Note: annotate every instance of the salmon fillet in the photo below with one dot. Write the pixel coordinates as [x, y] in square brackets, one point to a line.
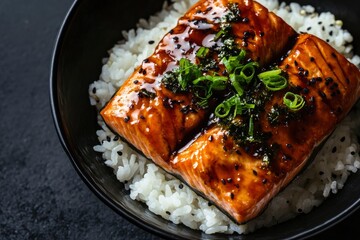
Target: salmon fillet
[156, 120]
[166, 123]
[235, 177]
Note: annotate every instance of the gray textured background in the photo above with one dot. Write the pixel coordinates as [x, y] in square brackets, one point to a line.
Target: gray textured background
[41, 195]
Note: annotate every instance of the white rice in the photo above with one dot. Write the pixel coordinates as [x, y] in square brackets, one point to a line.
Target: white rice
[168, 197]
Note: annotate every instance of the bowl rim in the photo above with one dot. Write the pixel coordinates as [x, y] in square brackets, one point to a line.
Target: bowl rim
[88, 180]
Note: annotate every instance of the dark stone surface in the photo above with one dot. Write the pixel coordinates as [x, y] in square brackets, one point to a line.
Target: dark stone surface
[41, 195]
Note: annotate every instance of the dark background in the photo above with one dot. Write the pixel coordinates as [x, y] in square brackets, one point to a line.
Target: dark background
[41, 194]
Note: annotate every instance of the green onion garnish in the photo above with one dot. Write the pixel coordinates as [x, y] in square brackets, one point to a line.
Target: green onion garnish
[233, 103]
[202, 52]
[204, 86]
[219, 34]
[187, 72]
[251, 129]
[216, 82]
[273, 80]
[223, 109]
[293, 101]
[233, 62]
[248, 71]
[235, 82]
[202, 92]
[242, 75]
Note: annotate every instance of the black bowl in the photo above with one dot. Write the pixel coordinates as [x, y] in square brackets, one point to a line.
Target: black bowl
[90, 29]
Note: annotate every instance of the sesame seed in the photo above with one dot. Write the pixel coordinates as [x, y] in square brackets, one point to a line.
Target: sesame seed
[333, 150]
[285, 157]
[339, 23]
[306, 90]
[232, 195]
[236, 166]
[322, 94]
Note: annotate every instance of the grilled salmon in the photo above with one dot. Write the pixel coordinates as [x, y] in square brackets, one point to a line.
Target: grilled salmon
[241, 162]
[236, 177]
[156, 120]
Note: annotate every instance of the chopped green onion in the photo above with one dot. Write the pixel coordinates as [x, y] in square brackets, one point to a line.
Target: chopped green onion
[233, 62]
[223, 109]
[203, 97]
[248, 71]
[237, 104]
[219, 83]
[204, 85]
[293, 101]
[251, 129]
[273, 80]
[242, 75]
[269, 73]
[220, 34]
[202, 52]
[236, 84]
[187, 72]
[216, 82]
[203, 93]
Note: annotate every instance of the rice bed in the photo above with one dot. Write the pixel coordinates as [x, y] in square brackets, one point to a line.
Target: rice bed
[167, 196]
